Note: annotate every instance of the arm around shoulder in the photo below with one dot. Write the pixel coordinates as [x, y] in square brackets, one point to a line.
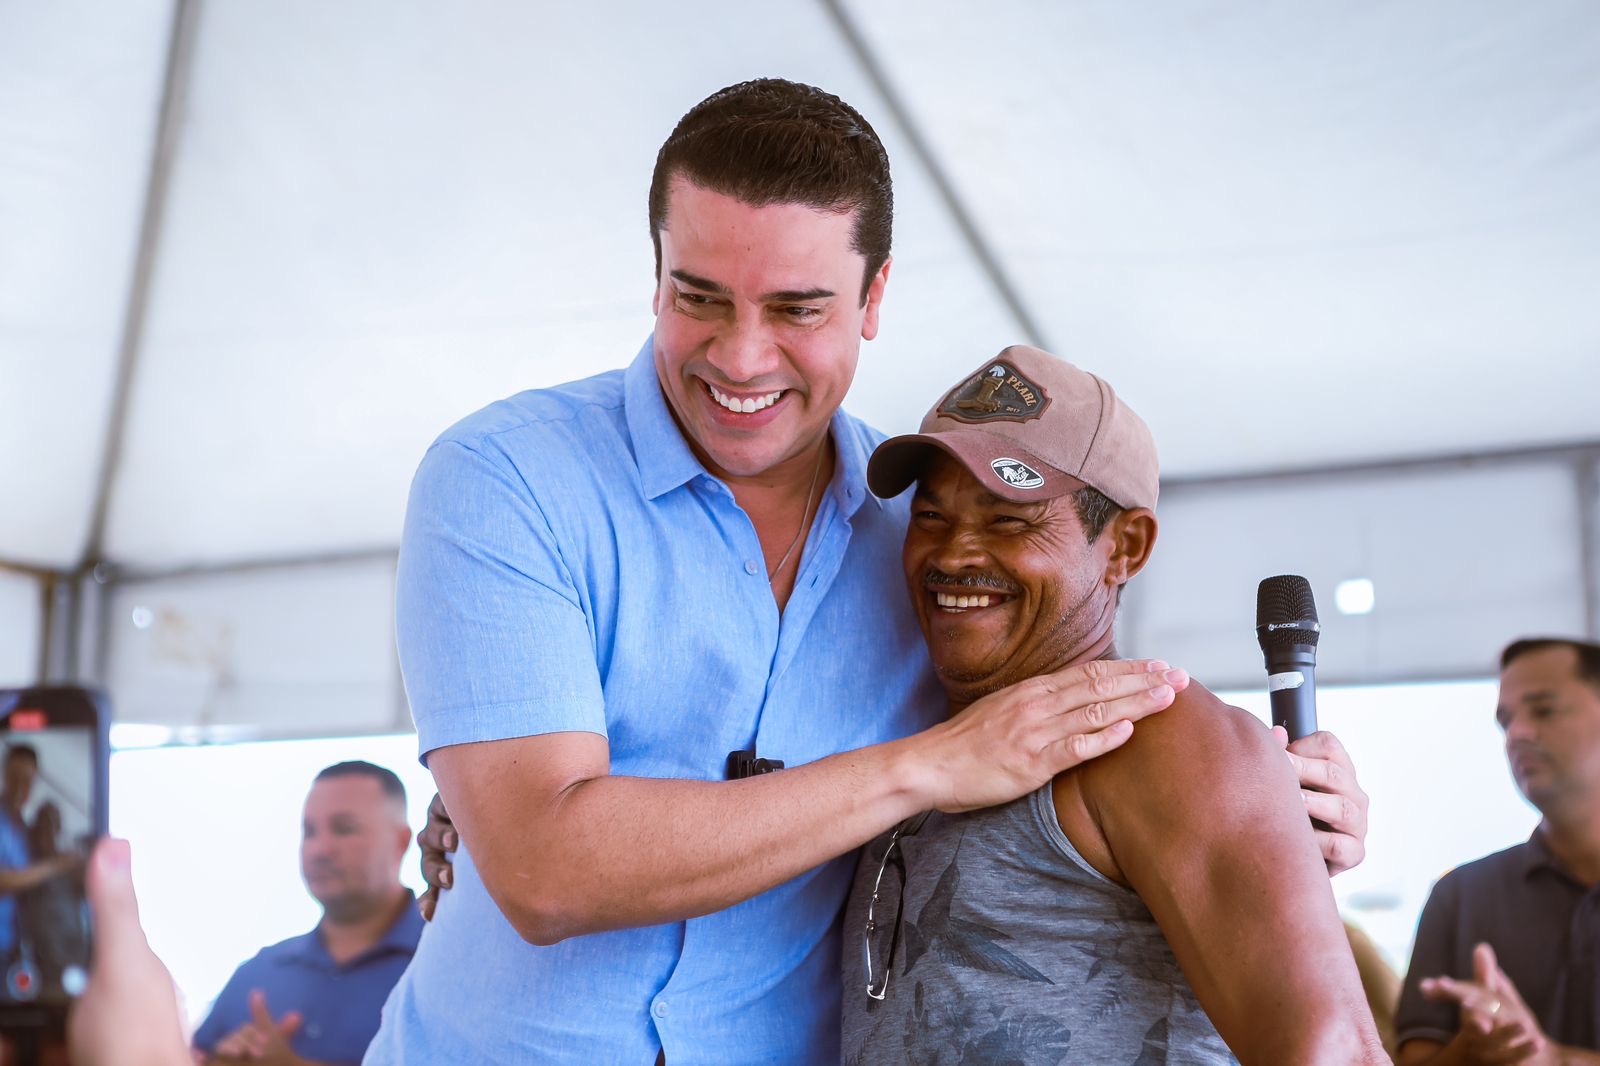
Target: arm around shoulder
[1203, 817]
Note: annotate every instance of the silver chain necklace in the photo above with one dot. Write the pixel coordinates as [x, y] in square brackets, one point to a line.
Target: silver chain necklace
[804, 516]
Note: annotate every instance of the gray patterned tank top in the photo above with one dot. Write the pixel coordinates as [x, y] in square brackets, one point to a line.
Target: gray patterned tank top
[1013, 949]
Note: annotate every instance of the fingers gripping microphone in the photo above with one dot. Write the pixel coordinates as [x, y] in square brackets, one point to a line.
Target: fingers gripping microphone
[1287, 629]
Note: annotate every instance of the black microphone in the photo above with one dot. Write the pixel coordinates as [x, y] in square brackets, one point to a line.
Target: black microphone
[1287, 629]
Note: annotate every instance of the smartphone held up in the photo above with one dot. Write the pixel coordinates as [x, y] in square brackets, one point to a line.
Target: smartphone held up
[54, 759]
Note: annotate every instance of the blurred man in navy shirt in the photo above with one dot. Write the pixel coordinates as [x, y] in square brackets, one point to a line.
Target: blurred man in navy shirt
[316, 998]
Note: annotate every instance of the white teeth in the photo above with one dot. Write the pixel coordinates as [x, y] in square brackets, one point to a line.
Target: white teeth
[944, 599]
[748, 405]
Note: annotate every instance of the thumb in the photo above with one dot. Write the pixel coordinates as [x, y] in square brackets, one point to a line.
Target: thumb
[290, 1024]
[112, 902]
[1280, 736]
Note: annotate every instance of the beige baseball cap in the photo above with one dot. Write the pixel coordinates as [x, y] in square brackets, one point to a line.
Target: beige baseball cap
[1030, 427]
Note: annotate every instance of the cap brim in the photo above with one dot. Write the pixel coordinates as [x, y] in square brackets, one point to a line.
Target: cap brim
[899, 461]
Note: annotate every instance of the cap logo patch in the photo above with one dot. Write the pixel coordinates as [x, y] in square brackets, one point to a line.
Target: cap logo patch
[1016, 473]
[997, 393]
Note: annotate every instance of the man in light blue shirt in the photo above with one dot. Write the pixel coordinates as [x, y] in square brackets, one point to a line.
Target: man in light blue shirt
[607, 587]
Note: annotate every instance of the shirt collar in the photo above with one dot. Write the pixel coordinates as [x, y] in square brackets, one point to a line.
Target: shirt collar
[850, 479]
[662, 455]
[308, 949]
[1537, 856]
[401, 937]
[406, 930]
[665, 461]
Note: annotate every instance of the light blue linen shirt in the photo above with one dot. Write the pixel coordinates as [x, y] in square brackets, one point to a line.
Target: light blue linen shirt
[568, 564]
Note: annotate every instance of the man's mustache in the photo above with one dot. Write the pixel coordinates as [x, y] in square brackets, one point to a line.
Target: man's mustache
[931, 577]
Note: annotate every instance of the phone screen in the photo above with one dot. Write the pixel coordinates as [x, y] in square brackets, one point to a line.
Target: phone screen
[51, 810]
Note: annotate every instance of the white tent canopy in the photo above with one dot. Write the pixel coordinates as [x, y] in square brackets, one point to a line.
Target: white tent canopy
[254, 257]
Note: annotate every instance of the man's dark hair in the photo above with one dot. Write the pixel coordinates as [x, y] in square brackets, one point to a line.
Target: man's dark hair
[1588, 655]
[771, 141]
[22, 751]
[385, 778]
[1095, 511]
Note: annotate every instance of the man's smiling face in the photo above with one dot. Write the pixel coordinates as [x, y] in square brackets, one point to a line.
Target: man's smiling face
[1003, 591]
[759, 322]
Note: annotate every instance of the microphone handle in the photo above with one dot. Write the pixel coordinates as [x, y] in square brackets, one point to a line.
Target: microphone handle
[1294, 699]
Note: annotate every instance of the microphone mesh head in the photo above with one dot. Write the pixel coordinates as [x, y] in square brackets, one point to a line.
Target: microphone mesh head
[1282, 599]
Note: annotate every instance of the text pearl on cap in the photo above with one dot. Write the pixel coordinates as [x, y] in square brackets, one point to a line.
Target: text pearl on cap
[750, 567]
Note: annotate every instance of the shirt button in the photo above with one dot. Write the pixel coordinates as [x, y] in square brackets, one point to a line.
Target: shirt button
[660, 1009]
[750, 567]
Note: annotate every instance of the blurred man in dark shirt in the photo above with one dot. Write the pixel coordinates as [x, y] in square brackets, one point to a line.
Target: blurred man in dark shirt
[1508, 948]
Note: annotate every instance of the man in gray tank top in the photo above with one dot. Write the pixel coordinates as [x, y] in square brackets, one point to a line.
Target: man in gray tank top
[1163, 903]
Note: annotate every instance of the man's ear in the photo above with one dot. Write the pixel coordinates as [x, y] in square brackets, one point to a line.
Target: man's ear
[869, 321]
[1132, 536]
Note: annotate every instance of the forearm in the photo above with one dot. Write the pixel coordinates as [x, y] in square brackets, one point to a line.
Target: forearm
[613, 852]
[1457, 1053]
[20, 880]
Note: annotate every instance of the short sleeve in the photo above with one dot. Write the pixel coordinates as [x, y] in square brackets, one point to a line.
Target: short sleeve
[493, 640]
[1433, 955]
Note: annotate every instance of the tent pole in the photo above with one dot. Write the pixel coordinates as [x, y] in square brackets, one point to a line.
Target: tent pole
[309, 560]
[47, 615]
[180, 59]
[1587, 470]
[988, 261]
[1572, 451]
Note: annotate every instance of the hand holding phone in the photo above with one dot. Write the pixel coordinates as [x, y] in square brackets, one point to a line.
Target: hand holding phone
[128, 1015]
